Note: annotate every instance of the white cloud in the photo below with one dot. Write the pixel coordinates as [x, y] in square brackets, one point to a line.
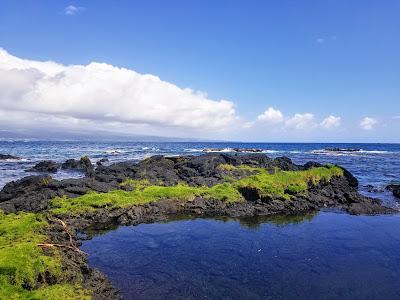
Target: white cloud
[368, 123]
[72, 10]
[271, 115]
[301, 121]
[331, 122]
[102, 93]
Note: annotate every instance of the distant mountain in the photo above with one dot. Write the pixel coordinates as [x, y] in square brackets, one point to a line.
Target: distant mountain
[90, 136]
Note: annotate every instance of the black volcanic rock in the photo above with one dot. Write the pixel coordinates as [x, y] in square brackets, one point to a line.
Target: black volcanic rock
[341, 150]
[101, 161]
[395, 188]
[33, 193]
[8, 156]
[84, 165]
[46, 166]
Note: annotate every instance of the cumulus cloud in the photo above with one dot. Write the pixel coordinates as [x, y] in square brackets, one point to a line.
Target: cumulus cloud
[101, 93]
[72, 10]
[368, 123]
[331, 122]
[271, 115]
[301, 121]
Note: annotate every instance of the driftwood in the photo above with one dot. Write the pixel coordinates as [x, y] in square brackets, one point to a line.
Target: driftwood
[72, 244]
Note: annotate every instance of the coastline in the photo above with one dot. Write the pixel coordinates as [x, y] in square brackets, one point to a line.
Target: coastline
[36, 195]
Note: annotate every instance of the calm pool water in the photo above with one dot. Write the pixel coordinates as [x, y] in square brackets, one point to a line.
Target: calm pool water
[328, 255]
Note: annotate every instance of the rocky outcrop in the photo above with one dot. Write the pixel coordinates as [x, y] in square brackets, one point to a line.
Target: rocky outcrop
[33, 193]
[395, 188]
[8, 156]
[84, 165]
[46, 166]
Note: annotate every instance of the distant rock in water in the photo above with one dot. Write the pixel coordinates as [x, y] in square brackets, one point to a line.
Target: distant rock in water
[236, 150]
[8, 156]
[49, 166]
[395, 188]
[373, 189]
[84, 164]
[341, 150]
[101, 161]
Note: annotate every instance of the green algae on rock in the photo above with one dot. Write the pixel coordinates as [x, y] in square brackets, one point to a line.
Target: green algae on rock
[280, 184]
[24, 266]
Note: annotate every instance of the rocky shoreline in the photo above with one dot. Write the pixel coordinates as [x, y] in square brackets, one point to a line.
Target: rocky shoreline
[35, 194]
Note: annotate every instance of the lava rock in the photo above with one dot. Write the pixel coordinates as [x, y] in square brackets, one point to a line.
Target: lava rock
[395, 188]
[84, 165]
[46, 166]
[8, 156]
[101, 161]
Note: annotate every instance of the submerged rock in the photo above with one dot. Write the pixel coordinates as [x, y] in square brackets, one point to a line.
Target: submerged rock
[49, 166]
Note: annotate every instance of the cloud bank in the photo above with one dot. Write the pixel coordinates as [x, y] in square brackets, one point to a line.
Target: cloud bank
[102, 93]
[299, 121]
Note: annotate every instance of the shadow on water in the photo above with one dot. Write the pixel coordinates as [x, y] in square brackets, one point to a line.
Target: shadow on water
[325, 255]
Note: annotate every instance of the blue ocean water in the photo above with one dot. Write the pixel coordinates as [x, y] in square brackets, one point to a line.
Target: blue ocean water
[374, 164]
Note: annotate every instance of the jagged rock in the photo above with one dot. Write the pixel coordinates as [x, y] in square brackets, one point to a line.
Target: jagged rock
[101, 161]
[84, 165]
[48, 166]
[395, 188]
[33, 193]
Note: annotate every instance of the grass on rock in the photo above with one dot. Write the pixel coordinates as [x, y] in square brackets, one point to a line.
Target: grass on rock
[282, 184]
[22, 261]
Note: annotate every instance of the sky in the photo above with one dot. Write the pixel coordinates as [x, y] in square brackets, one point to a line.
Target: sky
[266, 71]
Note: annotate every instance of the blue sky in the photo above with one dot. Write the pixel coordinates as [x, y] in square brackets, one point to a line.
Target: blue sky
[321, 58]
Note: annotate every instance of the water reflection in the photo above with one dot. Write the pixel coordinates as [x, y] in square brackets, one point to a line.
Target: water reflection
[318, 256]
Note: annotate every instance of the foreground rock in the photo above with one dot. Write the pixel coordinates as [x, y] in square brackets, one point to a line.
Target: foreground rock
[33, 193]
[8, 156]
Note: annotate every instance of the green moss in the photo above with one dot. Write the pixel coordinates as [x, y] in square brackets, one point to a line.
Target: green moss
[286, 183]
[281, 184]
[56, 291]
[22, 260]
[223, 192]
[135, 184]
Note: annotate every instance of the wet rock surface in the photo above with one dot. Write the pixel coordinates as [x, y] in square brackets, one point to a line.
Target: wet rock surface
[395, 188]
